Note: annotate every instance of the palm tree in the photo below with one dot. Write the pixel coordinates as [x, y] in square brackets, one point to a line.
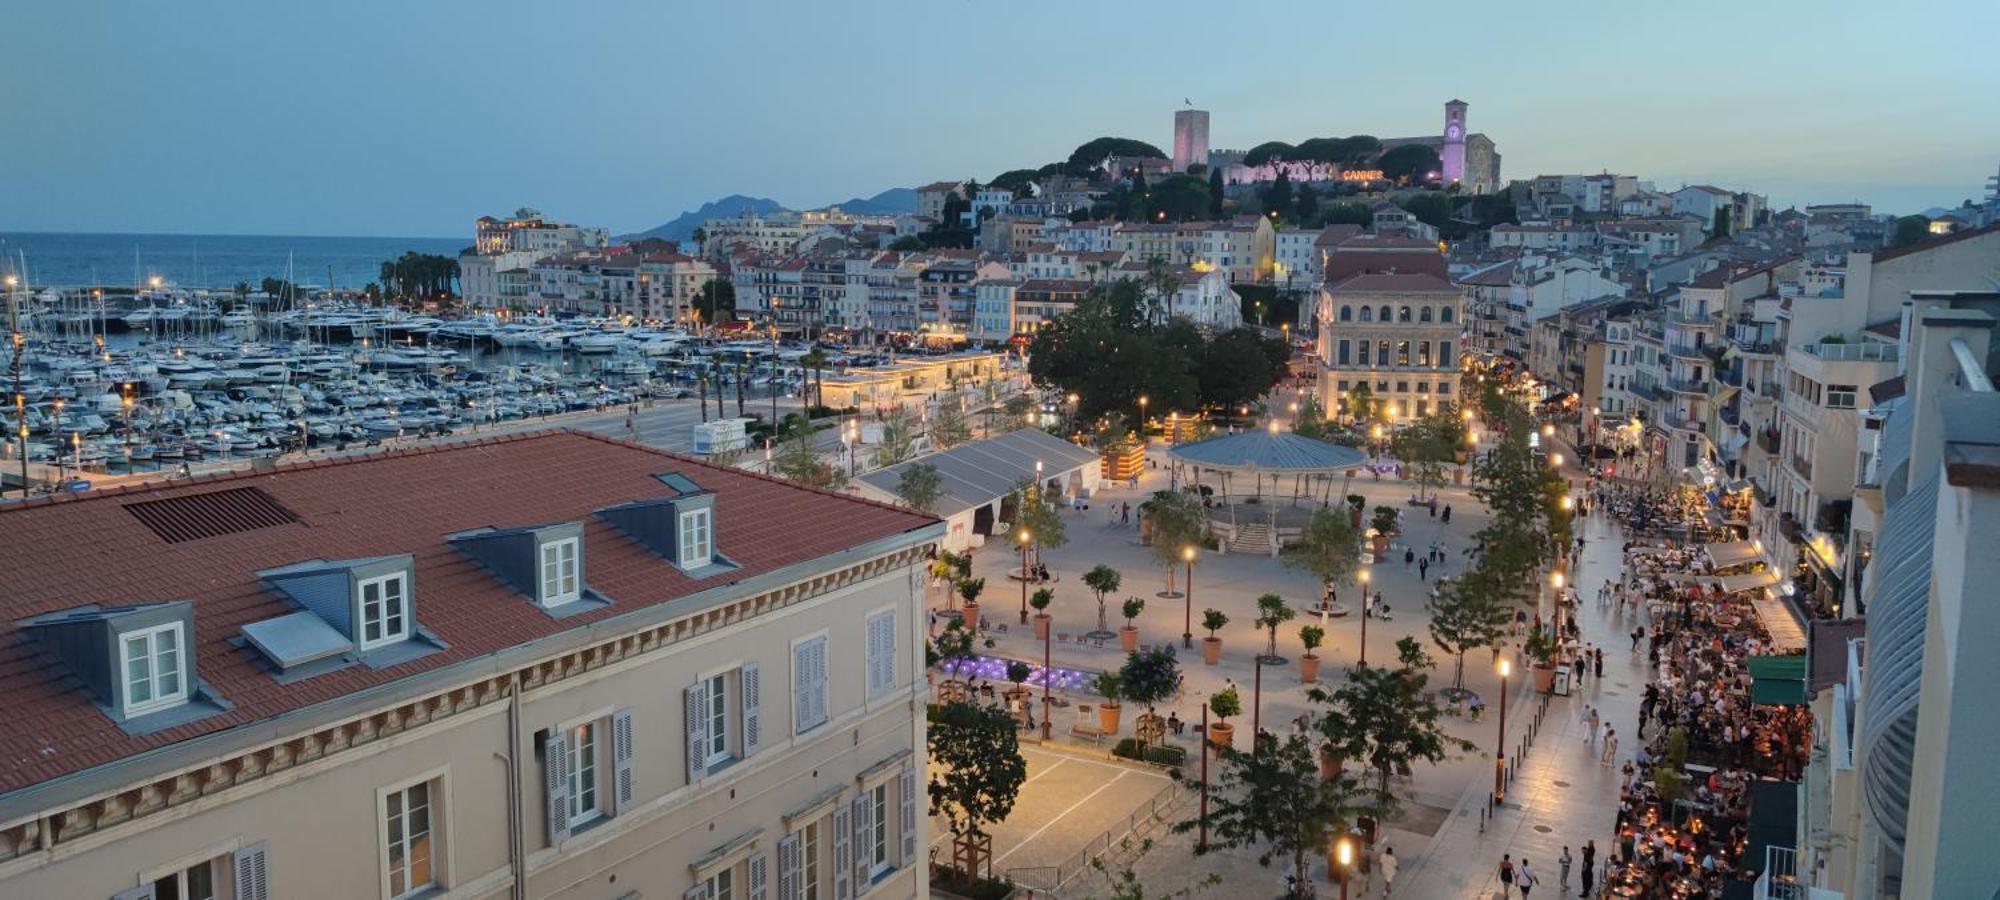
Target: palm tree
[815, 364]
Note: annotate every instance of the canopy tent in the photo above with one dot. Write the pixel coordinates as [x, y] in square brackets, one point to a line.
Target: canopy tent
[1731, 584]
[1778, 680]
[1734, 553]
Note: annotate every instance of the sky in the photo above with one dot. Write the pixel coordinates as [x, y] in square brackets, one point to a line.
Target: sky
[412, 118]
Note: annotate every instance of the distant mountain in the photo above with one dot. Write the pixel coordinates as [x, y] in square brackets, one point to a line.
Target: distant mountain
[892, 202]
[682, 228]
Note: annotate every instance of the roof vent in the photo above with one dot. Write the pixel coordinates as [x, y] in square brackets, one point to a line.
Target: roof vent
[192, 517]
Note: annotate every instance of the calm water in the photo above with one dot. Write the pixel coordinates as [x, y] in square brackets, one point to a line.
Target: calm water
[205, 260]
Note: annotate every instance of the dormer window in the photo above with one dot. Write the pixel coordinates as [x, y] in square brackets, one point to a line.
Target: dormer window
[152, 661]
[384, 610]
[560, 583]
[697, 544]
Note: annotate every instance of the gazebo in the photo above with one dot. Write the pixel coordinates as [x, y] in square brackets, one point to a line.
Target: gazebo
[1249, 523]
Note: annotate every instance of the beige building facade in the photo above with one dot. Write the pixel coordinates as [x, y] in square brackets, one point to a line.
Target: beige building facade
[761, 736]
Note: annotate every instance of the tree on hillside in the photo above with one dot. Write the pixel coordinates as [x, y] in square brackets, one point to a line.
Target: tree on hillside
[918, 487]
[1719, 227]
[1215, 194]
[976, 770]
[1432, 208]
[1909, 230]
[1020, 181]
[716, 301]
[1091, 155]
[1306, 208]
[1269, 151]
[1347, 212]
[1278, 196]
[1272, 799]
[908, 243]
[1408, 163]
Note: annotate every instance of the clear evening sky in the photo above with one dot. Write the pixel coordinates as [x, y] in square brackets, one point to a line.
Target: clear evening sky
[412, 117]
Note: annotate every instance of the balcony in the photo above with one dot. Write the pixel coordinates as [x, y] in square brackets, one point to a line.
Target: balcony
[1702, 321]
[1675, 419]
[1768, 440]
[1802, 466]
[1684, 386]
[1685, 351]
[1730, 416]
[1868, 352]
[1733, 377]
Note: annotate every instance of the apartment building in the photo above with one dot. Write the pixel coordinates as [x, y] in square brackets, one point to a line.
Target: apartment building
[1398, 334]
[526, 231]
[1009, 307]
[453, 671]
[1899, 797]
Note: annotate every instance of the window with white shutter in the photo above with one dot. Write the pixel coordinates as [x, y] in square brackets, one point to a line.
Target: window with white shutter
[843, 852]
[555, 771]
[695, 705]
[908, 789]
[788, 867]
[253, 876]
[621, 759]
[749, 686]
[759, 874]
[862, 812]
[809, 705]
[881, 643]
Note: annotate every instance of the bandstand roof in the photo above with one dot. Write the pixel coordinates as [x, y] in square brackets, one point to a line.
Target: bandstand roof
[1282, 452]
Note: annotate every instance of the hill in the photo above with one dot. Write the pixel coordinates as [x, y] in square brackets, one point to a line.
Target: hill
[683, 226]
[892, 202]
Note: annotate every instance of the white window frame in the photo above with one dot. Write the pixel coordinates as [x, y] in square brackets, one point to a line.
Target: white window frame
[716, 685]
[823, 703]
[697, 529]
[224, 854]
[722, 883]
[439, 782]
[580, 758]
[402, 580]
[158, 700]
[810, 837]
[880, 860]
[553, 578]
[880, 678]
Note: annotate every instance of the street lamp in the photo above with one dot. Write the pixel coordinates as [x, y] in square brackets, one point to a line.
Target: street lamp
[1343, 855]
[1556, 459]
[1500, 746]
[1364, 620]
[1048, 676]
[1024, 538]
[1142, 417]
[1187, 623]
[1376, 433]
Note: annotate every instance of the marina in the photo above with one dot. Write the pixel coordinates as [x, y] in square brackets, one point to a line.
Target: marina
[164, 378]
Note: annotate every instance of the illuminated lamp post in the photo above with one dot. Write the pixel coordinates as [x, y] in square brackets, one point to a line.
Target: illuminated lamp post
[1500, 745]
[1024, 538]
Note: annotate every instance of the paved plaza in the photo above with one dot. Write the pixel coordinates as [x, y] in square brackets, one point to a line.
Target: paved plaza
[1070, 801]
[1445, 846]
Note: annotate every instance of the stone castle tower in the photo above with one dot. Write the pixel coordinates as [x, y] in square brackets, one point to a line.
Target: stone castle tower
[1452, 153]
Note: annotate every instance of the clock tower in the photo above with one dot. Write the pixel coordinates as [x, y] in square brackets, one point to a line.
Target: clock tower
[1452, 152]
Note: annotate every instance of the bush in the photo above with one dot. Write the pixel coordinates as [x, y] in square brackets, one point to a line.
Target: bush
[1162, 754]
[956, 882]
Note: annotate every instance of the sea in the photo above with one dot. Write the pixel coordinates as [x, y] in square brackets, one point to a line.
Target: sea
[219, 261]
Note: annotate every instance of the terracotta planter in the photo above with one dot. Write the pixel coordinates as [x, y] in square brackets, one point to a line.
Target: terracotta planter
[1211, 650]
[1458, 476]
[1222, 734]
[1308, 668]
[1041, 626]
[971, 616]
[1107, 718]
[1545, 678]
[1381, 544]
[1353, 518]
[1128, 639]
[1329, 765]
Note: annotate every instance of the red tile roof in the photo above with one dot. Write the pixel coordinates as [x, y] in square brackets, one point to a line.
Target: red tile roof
[1396, 282]
[71, 551]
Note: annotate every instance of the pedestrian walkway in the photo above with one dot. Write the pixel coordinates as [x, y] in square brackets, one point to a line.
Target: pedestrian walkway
[1561, 795]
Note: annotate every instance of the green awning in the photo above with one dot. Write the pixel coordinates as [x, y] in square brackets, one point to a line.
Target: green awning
[1777, 680]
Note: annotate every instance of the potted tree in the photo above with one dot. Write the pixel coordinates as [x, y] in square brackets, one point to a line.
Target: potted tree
[1542, 651]
[1384, 525]
[1128, 636]
[968, 590]
[1310, 636]
[1102, 580]
[1224, 703]
[1109, 686]
[1018, 672]
[1211, 646]
[1040, 601]
[1271, 613]
[1148, 677]
[1355, 504]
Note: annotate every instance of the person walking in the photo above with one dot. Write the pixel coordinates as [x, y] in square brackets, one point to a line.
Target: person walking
[1506, 875]
[1610, 746]
[1409, 556]
[1564, 883]
[1596, 722]
[1597, 660]
[1525, 879]
[1424, 569]
[1388, 864]
[1589, 867]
